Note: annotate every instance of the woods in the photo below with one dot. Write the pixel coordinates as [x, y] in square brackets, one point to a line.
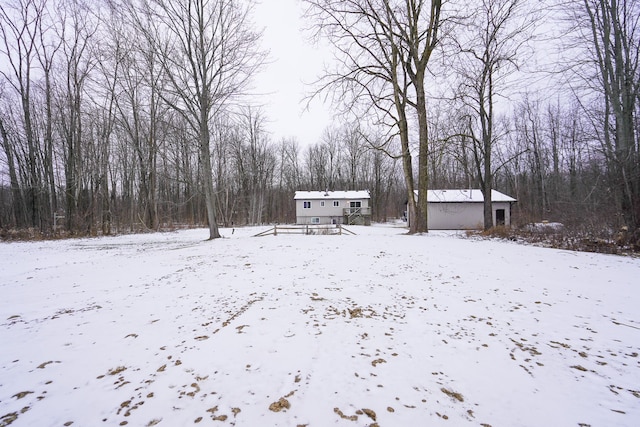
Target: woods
[131, 115]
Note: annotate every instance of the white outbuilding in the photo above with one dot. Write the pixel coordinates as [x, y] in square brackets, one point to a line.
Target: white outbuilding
[333, 207]
[464, 209]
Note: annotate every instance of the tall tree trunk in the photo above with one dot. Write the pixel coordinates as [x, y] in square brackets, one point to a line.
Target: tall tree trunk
[16, 192]
[423, 155]
[209, 190]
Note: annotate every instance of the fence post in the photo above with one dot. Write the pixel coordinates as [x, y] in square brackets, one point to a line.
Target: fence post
[56, 217]
[275, 229]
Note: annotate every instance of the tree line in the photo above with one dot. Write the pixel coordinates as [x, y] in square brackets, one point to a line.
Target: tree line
[129, 115]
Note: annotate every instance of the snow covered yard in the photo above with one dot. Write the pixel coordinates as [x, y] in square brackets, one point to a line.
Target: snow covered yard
[375, 329]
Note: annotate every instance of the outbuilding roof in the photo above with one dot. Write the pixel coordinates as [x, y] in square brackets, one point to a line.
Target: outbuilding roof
[465, 196]
[332, 195]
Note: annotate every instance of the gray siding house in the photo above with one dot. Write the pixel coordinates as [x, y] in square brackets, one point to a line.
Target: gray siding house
[464, 209]
[333, 207]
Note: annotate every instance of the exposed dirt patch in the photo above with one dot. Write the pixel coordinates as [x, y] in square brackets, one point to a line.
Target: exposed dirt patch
[242, 310]
[345, 417]
[44, 364]
[22, 394]
[454, 395]
[116, 371]
[280, 405]
[377, 362]
[214, 417]
[369, 413]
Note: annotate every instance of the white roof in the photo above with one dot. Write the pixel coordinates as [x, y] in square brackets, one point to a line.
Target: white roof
[465, 196]
[333, 195]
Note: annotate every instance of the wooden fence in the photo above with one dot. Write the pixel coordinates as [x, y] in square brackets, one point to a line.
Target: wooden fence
[306, 229]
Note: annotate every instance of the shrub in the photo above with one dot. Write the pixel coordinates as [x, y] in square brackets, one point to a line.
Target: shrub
[581, 238]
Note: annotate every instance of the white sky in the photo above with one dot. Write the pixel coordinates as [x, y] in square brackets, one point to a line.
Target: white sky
[294, 62]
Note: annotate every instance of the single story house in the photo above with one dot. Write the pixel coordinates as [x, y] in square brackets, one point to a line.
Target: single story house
[464, 209]
[333, 207]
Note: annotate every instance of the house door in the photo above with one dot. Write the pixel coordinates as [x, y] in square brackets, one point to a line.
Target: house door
[499, 216]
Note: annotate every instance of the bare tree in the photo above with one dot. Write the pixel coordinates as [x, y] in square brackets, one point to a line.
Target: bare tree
[289, 180]
[383, 49]
[8, 145]
[19, 24]
[315, 162]
[106, 94]
[48, 46]
[491, 49]
[353, 147]
[208, 52]
[607, 33]
[255, 164]
[331, 145]
[140, 113]
[383, 179]
[615, 31]
[419, 23]
[78, 31]
[225, 183]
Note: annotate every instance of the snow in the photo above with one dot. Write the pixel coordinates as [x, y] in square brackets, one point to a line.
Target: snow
[544, 227]
[291, 330]
[459, 196]
[316, 195]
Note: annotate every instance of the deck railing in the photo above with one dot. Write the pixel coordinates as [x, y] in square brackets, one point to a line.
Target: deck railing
[364, 211]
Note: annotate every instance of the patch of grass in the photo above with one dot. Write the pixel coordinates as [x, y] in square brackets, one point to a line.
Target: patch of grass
[499, 231]
[454, 395]
[315, 297]
[8, 419]
[355, 312]
[22, 394]
[44, 364]
[369, 413]
[576, 238]
[116, 371]
[345, 417]
[280, 405]
[378, 361]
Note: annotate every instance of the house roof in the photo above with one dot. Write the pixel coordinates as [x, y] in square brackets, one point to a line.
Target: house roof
[465, 196]
[331, 195]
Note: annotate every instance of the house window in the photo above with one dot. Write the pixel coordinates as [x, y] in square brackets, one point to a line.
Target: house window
[356, 204]
[306, 205]
[315, 220]
[322, 203]
[336, 203]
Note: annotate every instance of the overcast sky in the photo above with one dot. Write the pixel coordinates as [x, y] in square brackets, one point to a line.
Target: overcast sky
[294, 61]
